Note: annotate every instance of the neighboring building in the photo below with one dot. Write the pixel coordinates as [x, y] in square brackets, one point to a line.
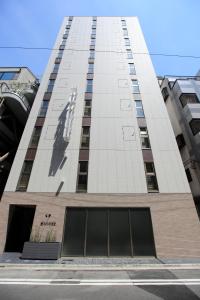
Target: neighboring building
[18, 87]
[182, 99]
[98, 168]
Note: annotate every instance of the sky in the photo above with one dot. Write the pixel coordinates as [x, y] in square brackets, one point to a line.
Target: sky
[169, 27]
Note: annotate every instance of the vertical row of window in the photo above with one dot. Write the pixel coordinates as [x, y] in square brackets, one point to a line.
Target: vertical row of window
[31, 151]
[150, 173]
[82, 177]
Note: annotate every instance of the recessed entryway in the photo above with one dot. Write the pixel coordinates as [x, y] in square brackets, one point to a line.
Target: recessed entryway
[108, 232]
[19, 227]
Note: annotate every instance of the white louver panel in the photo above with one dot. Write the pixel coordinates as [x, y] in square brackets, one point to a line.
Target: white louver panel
[69, 115]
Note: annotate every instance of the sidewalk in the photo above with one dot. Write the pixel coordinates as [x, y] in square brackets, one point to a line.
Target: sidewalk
[12, 260]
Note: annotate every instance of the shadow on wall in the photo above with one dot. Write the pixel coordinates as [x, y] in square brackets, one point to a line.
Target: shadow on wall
[58, 155]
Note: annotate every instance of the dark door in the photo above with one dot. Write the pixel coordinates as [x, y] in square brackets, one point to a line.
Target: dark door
[19, 227]
[142, 232]
[74, 233]
[97, 232]
[108, 232]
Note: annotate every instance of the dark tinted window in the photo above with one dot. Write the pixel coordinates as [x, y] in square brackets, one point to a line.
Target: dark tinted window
[8, 75]
[195, 126]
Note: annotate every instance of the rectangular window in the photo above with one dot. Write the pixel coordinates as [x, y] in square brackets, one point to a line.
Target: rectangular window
[43, 109]
[125, 31]
[139, 109]
[50, 85]
[144, 137]
[195, 126]
[132, 69]
[55, 68]
[63, 42]
[25, 175]
[135, 86]
[129, 53]
[94, 32]
[60, 53]
[93, 42]
[89, 87]
[88, 108]
[65, 36]
[85, 139]
[35, 137]
[152, 185]
[90, 68]
[92, 54]
[82, 176]
[188, 98]
[123, 23]
[127, 41]
[94, 27]
[8, 75]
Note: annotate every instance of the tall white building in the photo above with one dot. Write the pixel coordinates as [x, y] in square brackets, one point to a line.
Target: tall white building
[98, 168]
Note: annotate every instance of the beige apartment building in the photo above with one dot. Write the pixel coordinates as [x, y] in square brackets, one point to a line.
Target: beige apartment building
[98, 169]
[182, 99]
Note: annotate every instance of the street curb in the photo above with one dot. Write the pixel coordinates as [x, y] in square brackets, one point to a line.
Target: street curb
[55, 267]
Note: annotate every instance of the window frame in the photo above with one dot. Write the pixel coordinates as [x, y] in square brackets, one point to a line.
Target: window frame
[80, 187]
[139, 107]
[132, 69]
[144, 136]
[85, 136]
[151, 175]
[135, 86]
[188, 102]
[129, 54]
[194, 132]
[89, 86]
[25, 174]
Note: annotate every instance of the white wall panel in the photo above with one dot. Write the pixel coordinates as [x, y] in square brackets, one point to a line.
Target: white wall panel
[115, 159]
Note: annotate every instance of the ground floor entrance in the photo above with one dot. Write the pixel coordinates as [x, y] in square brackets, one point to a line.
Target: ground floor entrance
[108, 232]
[20, 222]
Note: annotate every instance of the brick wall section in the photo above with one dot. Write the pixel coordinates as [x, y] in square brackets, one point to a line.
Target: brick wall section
[175, 222]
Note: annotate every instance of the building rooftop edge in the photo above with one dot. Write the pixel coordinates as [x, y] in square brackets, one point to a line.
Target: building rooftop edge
[5, 67]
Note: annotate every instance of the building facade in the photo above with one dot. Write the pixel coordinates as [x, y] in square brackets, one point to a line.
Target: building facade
[98, 168]
[18, 87]
[182, 99]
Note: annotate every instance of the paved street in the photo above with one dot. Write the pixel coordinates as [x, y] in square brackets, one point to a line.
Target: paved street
[89, 285]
